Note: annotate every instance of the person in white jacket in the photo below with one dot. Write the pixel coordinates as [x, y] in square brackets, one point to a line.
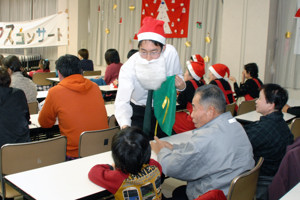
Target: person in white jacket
[146, 70]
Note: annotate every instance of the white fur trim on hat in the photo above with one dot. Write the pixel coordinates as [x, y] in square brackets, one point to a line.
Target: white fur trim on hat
[191, 70]
[151, 36]
[214, 72]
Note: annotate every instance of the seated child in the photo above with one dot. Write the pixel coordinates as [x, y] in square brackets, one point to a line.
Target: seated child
[134, 174]
[193, 78]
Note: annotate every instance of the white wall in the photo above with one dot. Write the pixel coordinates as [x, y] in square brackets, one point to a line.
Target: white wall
[245, 34]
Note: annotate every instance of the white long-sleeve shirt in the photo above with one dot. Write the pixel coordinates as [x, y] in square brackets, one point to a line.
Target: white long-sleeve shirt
[131, 90]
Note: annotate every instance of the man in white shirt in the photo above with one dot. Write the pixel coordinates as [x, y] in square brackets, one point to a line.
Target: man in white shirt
[146, 70]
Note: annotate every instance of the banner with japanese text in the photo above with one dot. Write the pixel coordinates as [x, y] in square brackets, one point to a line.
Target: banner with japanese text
[43, 32]
[175, 14]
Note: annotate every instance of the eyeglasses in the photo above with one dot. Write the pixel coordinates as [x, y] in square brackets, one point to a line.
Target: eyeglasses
[153, 54]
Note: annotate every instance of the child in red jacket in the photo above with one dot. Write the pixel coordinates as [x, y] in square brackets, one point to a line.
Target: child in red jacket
[134, 175]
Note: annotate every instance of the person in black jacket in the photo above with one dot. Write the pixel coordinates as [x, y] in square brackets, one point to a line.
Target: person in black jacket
[13, 111]
[249, 88]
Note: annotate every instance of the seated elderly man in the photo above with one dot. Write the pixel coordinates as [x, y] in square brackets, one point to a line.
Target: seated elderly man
[218, 150]
[270, 135]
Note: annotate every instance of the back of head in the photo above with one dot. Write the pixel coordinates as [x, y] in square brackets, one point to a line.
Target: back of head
[13, 63]
[275, 94]
[212, 95]
[112, 56]
[84, 53]
[131, 52]
[252, 68]
[68, 65]
[130, 150]
[4, 77]
[219, 70]
[44, 63]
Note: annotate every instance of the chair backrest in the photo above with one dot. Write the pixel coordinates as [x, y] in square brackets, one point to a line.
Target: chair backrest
[246, 106]
[231, 107]
[112, 121]
[92, 73]
[20, 157]
[33, 107]
[244, 185]
[94, 142]
[40, 78]
[295, 127]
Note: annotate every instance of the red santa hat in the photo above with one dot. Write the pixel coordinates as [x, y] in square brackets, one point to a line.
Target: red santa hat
[197, 58]
[196, 69]
[152, 29]
[219, 70]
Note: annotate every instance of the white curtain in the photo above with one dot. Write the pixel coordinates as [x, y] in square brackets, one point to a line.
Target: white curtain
[286, 64]
[121, 35]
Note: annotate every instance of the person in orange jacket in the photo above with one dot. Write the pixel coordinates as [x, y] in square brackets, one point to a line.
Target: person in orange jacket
[76, 102]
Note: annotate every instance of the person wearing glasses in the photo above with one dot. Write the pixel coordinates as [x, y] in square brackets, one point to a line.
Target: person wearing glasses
[144, 71]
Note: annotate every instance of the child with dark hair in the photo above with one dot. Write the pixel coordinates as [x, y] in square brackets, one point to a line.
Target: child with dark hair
[43, 65]
[85, 64]
[134, 175]
[114, 65]
[249, 88]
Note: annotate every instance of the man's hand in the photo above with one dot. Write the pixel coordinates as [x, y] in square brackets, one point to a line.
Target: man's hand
[179, 83]
[159, 144]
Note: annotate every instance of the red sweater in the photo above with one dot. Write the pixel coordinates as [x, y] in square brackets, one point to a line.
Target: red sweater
[79, 106]
[112, 72]
[145, 184]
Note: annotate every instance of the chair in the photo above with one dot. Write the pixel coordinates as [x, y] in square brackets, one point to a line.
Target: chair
[92, 73]
[20, 157]
[112, 122]
[33, 108]
[244, 185]
[231, 107]
[246, 106]
[40, 78]
[295, 127]
[94, 142]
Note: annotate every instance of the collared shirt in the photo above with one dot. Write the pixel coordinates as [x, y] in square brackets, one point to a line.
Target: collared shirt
[269, 138]
[131, 90]
[215, 154]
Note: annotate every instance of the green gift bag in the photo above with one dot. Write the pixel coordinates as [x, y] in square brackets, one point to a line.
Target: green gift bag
[164, 103]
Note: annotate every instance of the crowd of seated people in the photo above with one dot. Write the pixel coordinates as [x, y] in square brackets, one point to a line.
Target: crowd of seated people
[219, 150]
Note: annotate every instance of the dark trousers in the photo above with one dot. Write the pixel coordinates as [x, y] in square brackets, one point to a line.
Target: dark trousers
[137, 120]
[180, 193]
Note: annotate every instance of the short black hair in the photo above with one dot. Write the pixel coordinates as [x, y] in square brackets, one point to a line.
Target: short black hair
[252, 68]
[212, 95]
[12, 62]
[154, 42]
[5, 79]
[131, 52]
[275, 94]
[68, 65]
[84, 53]
[112, 56]
[130, 150]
